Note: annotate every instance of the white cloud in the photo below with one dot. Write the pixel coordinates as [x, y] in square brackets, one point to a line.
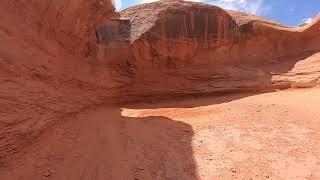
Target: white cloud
[307, 20]
[148, 1]
[117, 4]
[257, 7]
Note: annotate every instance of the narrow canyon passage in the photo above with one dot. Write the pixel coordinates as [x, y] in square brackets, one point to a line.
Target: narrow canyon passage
[273, 135]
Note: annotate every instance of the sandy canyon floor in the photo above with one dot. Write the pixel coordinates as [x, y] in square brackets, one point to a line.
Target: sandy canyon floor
[248, 136]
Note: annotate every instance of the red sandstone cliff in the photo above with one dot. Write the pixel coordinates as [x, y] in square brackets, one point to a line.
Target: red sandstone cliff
[59, 57]
[200, 48]
[44, 74]
[70, 22]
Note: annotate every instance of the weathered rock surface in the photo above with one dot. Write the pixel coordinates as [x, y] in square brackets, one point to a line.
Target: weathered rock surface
[60, 57]
[69, 22]
[44, 75]
[197, 48]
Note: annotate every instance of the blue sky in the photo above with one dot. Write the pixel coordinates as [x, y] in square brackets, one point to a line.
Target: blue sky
[288, 12]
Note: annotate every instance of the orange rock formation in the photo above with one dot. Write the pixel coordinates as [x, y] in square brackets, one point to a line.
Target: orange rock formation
[59, 57]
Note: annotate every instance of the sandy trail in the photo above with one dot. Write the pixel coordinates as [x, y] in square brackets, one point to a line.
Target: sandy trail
[264, 136]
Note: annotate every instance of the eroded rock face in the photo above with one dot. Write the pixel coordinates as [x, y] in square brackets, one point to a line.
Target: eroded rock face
[44, 75]
[198, 33]
[180, 34]
[71, 23]
[181, 47]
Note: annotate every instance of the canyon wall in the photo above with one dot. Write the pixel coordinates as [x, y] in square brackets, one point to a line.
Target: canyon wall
[200, 33]
[58, 58]
[46, 71]
[71, 23]
[197, 48]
